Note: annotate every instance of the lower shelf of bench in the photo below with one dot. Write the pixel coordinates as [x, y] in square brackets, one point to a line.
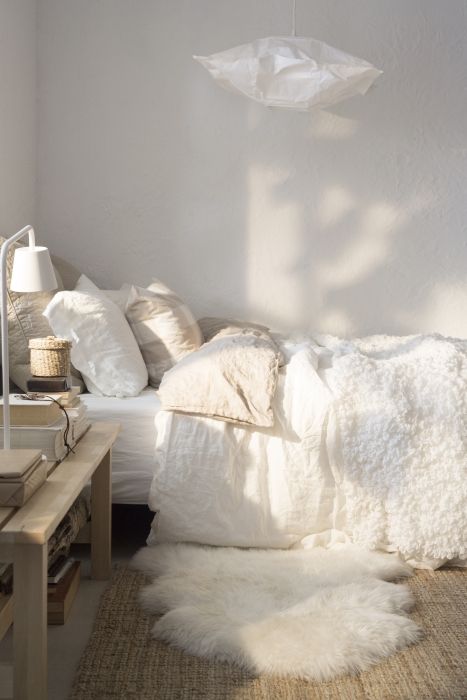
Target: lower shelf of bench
[58, 604]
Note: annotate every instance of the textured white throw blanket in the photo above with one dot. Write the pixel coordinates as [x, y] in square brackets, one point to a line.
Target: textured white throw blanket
[401, 412]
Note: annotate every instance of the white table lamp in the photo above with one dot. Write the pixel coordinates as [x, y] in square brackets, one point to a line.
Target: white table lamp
[32, 272]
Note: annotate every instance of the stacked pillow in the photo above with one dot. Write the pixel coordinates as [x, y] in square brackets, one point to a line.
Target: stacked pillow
[121, 339]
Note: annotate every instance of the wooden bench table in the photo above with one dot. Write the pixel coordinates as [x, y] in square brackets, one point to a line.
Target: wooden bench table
[24, 534]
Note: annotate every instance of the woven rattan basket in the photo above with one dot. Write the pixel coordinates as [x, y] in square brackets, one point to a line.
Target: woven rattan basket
[50, 357]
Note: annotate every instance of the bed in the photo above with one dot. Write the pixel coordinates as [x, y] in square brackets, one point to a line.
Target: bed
[366, 439]
[368, 445]
[133, 454]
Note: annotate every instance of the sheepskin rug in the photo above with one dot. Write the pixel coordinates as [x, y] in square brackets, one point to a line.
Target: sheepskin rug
[311, 614]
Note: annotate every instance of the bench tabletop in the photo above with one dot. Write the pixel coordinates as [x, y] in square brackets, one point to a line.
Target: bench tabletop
[37, 519]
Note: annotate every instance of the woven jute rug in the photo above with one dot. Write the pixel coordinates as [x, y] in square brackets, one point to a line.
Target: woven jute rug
[121, 659]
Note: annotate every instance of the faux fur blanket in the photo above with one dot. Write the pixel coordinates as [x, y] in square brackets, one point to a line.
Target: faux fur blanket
[401, 413]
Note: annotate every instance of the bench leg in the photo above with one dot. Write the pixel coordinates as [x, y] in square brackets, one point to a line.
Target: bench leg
[30, 622]
[101, 525]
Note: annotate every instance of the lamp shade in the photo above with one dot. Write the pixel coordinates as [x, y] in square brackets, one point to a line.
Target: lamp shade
[32, 270]
[291, 72]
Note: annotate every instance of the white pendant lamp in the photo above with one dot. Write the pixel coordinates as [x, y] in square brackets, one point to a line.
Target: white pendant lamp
[291, 72]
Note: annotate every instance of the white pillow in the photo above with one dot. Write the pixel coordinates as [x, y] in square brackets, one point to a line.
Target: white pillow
[104, 348]
[118, 296]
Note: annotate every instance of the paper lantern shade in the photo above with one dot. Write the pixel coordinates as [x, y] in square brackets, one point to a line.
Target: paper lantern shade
[291, 72]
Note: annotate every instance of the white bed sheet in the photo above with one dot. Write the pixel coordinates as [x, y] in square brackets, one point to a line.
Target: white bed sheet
[134, 450]
[226, 485]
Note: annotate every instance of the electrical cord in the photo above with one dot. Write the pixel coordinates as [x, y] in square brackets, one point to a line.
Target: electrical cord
[35, 396]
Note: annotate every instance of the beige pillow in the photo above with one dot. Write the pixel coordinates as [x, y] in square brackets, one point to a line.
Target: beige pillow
[164, 327]
[232, 377]
[25, 321]
[212, 325]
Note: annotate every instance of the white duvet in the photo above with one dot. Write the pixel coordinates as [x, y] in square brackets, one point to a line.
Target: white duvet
[369, 445]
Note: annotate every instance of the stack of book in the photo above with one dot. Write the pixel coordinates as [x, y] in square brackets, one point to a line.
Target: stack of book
[39, 422]
[63, 582]
[76, 411]
[63, 579]
[6, 578]
[21, 474]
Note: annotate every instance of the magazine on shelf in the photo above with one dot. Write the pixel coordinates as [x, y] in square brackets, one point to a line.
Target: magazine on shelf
[58, 569]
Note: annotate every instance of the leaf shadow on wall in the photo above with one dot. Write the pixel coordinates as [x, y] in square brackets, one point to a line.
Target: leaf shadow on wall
[347, 221]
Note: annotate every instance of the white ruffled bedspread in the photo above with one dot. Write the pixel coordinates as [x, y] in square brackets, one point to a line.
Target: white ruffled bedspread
[369, 445]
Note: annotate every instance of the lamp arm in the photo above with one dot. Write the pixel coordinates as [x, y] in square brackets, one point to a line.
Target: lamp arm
[4, 323]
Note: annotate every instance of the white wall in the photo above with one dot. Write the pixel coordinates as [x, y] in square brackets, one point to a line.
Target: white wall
[349, 221]
[17, 114]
